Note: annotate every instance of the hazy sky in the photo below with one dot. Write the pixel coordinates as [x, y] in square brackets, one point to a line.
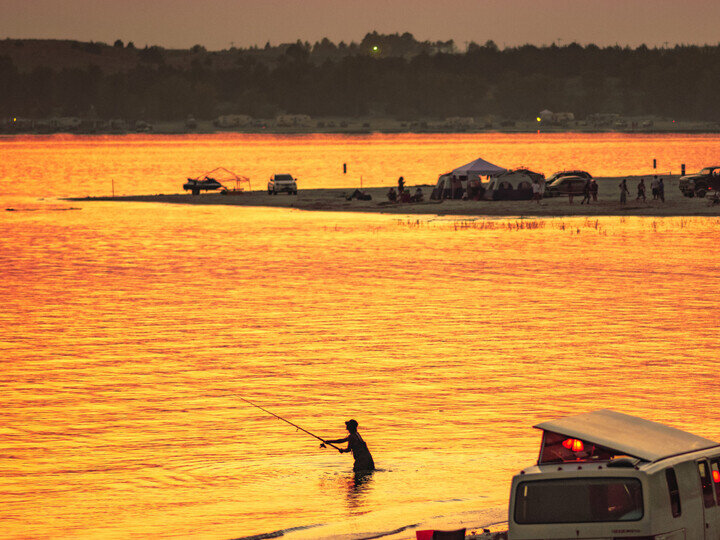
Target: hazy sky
[218, 23]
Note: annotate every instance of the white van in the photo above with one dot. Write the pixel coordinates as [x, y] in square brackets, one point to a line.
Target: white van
[605, 475]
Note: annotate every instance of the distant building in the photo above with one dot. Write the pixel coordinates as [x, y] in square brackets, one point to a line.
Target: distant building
[293, 120]
[563, 117]
[603, 119]
[67, 123]
[545, 116]
[20, 124]
[118, 125]
[460, 122]
[558, 119]
[233, 120]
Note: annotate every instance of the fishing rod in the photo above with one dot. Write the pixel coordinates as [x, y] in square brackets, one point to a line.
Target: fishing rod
[289, 422]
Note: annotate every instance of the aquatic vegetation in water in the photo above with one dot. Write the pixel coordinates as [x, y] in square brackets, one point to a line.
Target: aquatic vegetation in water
[603, 226]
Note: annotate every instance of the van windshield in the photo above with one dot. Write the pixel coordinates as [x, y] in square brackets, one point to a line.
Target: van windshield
[579, 500]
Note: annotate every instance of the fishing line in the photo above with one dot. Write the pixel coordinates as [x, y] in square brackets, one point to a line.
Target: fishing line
[287, 421]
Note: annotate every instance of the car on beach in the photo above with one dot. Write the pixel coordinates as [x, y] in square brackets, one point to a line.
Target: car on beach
[566, 185]
[699, 184]
[554, 176]
[282, 182]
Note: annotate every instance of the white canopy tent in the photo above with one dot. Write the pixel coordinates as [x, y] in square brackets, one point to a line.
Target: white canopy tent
[462, 176]
[479, 167]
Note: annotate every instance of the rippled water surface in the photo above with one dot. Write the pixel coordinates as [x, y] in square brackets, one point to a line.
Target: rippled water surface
[75, 166]
[129, 332]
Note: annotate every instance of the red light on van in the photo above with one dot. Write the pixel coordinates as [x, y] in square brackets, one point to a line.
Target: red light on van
[576, 445]
[716, 477]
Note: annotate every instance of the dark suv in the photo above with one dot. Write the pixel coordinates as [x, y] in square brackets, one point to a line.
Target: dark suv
[560, 174]
[566, 185]
[698, 184]
[566, 182]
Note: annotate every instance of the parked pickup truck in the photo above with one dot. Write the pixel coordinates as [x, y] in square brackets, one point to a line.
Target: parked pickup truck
[282, 182]
[698, 184]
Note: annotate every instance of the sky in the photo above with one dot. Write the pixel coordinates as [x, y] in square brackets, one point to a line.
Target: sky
[221, 24]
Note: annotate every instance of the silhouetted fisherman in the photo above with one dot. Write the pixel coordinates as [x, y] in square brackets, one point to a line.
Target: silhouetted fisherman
[356, 445]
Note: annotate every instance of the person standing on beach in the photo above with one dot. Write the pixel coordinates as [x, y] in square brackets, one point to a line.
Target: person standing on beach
[447, 188]
[401, 184]
[536, 191]
[661, 190]
[356, 445]
[654, 187]
[586, 192]
[623, 191]
[594, 189]
[641, 190]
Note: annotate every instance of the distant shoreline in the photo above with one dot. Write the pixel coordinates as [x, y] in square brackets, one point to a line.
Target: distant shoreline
[377, 126]
[335, 200]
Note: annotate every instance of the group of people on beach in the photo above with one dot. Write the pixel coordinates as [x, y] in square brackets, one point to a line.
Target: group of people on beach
[657, 187]
[403, 195]
[590, 191]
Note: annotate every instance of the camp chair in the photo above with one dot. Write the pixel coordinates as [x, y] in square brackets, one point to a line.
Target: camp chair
[458, 534]
[441, 535]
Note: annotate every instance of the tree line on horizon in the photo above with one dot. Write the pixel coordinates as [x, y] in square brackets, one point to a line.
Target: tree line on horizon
[384, 75]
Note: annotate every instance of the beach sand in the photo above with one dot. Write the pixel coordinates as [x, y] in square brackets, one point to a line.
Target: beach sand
[334, 200]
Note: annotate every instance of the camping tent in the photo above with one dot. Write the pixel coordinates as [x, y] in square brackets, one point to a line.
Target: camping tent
[469, 172]
[479, 167]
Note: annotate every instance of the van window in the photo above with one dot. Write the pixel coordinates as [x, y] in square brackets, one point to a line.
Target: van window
[706, 483]
[558, 448]
[715, 471]
[674, 492]
[579, 500]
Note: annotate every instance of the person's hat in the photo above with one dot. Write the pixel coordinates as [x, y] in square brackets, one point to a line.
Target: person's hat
[351, 424]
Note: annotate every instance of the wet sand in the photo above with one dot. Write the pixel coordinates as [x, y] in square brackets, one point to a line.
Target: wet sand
[335, 200]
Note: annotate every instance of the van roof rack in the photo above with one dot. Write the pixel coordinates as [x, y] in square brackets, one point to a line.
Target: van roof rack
[623, 462]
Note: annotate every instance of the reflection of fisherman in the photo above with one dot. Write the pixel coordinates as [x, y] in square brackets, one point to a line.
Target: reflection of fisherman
[356, 445]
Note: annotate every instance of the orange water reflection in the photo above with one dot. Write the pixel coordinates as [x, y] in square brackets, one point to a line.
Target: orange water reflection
[66, 165]
[129, 330]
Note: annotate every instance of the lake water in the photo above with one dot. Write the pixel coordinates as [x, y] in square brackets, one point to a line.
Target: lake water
[130, 331]
[71, 166]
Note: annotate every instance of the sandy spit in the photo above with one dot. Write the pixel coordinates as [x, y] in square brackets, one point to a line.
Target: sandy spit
[335, 200]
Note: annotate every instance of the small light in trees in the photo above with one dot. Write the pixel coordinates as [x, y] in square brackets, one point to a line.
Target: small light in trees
[538, 119]
[375, 48]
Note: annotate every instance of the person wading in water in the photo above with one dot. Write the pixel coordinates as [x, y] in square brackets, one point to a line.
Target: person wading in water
[356, 445]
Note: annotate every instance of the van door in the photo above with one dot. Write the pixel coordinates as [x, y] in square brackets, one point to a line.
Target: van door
[710, 509]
